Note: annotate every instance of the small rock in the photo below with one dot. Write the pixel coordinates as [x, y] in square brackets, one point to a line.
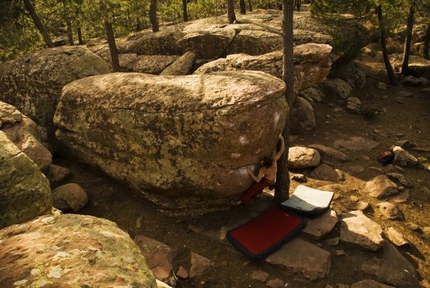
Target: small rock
[57, 175]
[426, 232]
[390, 211]
[260, 275]
[69, 196]
[396, 237]
[182, 273]
[275, 283]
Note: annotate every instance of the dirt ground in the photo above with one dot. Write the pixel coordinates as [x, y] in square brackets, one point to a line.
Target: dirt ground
[388, 116]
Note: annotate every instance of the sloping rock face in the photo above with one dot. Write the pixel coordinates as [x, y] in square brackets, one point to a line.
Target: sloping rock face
[26, 194]
[71, 251]
[33, 83]
[189, 135]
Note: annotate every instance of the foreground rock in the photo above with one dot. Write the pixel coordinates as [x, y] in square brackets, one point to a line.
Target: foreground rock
[174, 135]
[24, 190]
[71, 251]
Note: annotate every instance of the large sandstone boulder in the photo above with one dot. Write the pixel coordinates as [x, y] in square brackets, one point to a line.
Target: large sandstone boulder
[71, 251]
[24, 190]
[189, 135]
[33, 83]
[312, 64]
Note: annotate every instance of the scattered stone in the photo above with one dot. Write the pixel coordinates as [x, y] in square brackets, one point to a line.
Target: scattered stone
[353, 104]
[358, 229]
[356, 143]
[260, 275]
[382, 86]
[402, 197]
[302, 116]
[390, 211]
[362, 206]
[327, 173]
[313, 94]
[182, 273]
[330, 152]
[400, 179]
[159, 257]
[298, 255]
[396, 237]
[301, 178]
[275, 283]
[380, 187]
[322, 225]
[411, 81]
[426, 232]
[69, 196]
[303, 157]
[337, 87]
[57, 175]
[332, 241]
[412, 226]
[370, 284]
[340, 252]
[392, 268]
[199, 265]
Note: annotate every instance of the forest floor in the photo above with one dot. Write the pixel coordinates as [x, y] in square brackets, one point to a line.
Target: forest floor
[397, 117]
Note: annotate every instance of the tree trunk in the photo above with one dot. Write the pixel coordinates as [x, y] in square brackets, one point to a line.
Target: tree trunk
[242, 7]
[250, 6]
[38, 23]
[427, 43]
[390, 71]
[70, 33]
[185, 10]
[80, 39]
[112, 46]
[282, 187]
[153, 16]
[408, 39]
[230, 11]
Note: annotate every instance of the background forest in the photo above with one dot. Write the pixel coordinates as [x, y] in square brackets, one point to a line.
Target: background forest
[29, 25]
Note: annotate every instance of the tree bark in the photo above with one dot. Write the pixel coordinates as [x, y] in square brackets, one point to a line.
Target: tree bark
[230, 11]
[427, 43]
[282, 187]
[408, 39]
[185, 10]
[112, 46]
[250, 6]
[153, 16]
[242, 7]
[38, 23]
[390, 71]
[70, 33]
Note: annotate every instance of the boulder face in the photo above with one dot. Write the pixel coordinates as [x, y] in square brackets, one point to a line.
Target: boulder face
[25, 195]
[33, 83]
[189, 135]
[71, 251]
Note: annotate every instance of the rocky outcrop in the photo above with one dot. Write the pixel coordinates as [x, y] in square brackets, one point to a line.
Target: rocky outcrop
[174, 135]
[255, 33]
[33, 83]
[24, 190]
[71, 251]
